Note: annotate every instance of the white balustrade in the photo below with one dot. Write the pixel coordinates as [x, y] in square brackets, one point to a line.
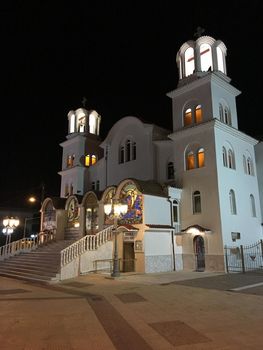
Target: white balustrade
[25, 244]
[88, 242]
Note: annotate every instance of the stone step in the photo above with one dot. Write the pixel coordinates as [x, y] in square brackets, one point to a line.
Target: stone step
[47, 267]
[38, 279]
[23, 270]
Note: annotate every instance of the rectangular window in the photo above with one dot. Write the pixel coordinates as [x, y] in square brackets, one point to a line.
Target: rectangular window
[97, 185]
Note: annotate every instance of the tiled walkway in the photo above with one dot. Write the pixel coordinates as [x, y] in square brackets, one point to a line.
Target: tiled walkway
[134, 312]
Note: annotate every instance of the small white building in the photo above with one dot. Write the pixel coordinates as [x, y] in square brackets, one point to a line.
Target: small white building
[190, 191]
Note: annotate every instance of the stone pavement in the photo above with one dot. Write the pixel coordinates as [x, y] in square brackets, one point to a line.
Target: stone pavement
[177, 310]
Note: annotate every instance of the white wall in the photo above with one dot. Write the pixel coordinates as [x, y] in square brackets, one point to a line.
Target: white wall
[156, 210]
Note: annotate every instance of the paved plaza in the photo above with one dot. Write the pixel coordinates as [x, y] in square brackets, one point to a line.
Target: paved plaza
[177, 310]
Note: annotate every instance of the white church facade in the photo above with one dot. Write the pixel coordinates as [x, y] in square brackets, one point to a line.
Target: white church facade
[190, 191]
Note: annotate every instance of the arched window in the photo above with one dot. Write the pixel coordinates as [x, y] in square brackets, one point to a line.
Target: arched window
[90, 160]
[93, 159]
[81, 123]
[72, 123]
[121, 154]
[221, 113]
[198, 114]
[252, 205]
[227, 116]
[133, 150]
[70, 160]
[245, 164]
[250, 169]
[220, 60]
[188, 117]
[196, 202]
[175, 211]
[189, 61]
[206, 57]
[224, 157]
[170, 171]
[92, 123]
[201, 158]
[231, 159]
[190, 161]
[127, 151]
[232, 200]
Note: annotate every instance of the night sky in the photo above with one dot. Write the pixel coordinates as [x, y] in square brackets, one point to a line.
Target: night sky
[122, 57]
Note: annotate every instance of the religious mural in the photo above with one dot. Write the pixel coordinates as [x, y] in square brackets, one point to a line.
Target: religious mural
[49, 217]
[133, 198]
[73, 212]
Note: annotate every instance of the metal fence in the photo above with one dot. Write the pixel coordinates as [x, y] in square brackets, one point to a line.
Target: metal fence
[244, 258]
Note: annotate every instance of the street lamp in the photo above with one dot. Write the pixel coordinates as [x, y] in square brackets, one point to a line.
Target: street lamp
[9, 225]
[115, 210]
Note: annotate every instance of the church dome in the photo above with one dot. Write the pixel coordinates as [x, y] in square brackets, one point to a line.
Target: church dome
[201, 55]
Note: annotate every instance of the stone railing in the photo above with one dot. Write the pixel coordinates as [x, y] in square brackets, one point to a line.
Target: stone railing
[88, 242]
[26, 244]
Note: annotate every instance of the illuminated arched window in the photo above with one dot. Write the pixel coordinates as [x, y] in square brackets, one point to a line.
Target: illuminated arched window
[190, 159]
[92, 123]
[93, 159]
[196, 202]
[252, 205]
[188, 117]
[232, 200]
[198, 114]
[72, 123]
[206, 57]
[87, 160]
[81, 122]
[224, 157]
[189, 61]
[90, 159]
[201, 158]
[220, 60]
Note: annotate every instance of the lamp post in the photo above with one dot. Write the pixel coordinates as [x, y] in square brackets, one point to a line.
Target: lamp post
[9, 225]
[116, 210]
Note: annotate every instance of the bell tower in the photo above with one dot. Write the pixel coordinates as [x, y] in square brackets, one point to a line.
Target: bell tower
[210, 153]
[80, 150]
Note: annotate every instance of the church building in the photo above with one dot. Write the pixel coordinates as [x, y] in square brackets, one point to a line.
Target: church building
[188, 191]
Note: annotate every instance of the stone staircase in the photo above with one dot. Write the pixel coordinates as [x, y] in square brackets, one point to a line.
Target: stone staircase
[40, 265]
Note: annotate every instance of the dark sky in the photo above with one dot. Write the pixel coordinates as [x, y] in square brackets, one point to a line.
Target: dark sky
[122, 57]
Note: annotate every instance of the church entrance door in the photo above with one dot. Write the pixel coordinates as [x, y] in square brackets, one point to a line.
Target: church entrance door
[199, 250]
[128, 257]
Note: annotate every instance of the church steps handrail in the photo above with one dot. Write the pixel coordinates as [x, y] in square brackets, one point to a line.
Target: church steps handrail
[86, 243]
[25, 244]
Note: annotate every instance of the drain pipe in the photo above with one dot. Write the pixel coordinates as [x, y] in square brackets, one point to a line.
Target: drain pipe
[172, 233]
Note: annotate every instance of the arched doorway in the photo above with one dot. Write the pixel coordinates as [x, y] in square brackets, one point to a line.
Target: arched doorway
[199, 250]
